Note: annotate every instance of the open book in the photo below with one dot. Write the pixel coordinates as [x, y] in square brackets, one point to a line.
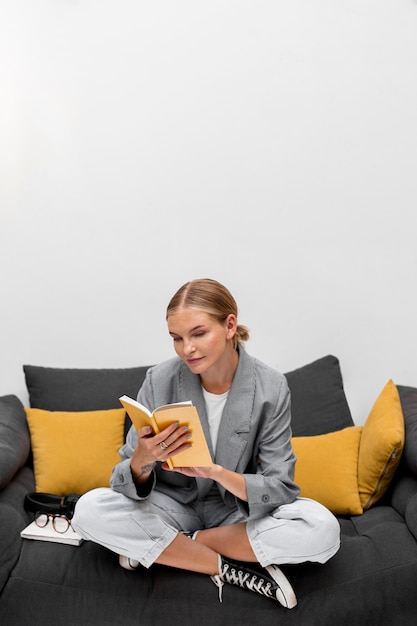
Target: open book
[47, 533]
[183, 412]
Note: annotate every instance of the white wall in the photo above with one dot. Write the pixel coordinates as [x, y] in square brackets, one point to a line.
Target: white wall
[268, 144]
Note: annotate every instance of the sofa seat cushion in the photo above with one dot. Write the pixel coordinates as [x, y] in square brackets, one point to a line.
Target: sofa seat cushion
[371, 580]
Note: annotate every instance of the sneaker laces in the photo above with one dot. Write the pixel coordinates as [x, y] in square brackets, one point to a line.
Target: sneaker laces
[248, 580]
[261, 586]
[220, 584]
[218, 580]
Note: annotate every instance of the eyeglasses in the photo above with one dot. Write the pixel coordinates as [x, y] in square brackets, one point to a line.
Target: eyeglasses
[60, 523]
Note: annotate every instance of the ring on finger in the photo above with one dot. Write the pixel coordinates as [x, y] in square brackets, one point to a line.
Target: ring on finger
[163, 445]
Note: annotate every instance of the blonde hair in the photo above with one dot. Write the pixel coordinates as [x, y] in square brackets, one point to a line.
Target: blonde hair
[213, 298]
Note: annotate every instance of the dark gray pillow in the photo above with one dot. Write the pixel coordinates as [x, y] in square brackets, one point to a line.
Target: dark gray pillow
[408, 397]
[71, 389]
[14, 438]
[318, 401]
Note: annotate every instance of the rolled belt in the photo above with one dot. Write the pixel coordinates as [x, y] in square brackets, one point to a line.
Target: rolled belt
[50, 503]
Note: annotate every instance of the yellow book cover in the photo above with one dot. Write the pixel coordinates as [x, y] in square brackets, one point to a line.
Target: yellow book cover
[198, 455]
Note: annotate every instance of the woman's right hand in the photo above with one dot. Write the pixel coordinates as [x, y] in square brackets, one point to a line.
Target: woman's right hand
[152, 448]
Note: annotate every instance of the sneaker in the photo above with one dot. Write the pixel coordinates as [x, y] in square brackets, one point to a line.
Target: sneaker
[191, 534]
[128, 563]
[272, 584]
[285, 592]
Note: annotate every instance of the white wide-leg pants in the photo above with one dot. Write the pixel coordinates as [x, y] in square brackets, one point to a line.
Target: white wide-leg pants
[141, 529]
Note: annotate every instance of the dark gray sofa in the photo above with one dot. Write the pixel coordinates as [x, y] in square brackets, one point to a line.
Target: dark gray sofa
[371, 580]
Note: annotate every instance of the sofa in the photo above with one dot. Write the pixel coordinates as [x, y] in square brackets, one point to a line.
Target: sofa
[371, 580]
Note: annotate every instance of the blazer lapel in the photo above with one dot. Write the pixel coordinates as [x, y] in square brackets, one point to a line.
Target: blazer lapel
[190, 388]
[237, 414]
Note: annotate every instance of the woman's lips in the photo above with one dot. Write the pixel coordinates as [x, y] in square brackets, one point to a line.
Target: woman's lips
[194, 361]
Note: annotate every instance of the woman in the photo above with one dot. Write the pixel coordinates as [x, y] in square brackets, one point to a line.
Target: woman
[245, 507]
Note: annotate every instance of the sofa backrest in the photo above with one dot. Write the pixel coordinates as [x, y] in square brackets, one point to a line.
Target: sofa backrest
[319, 403]
[71, 389]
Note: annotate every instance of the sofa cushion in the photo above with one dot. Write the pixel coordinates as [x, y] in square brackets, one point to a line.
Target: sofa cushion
[381, 446]
[14, 438]
[408, 398]
[411, 515]
[318, 401]
[74, 452]
[71, 389]
[370, 581]
[350, 470]
[13, 518]
[327, 469]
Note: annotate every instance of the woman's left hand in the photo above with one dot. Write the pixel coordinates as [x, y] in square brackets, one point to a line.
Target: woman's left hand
[196, 472]
[232, 481]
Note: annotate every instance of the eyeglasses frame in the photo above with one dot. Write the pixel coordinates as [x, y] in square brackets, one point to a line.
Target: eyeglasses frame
[54, 516]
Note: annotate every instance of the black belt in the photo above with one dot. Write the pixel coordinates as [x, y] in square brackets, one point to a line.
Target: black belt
[48, 503]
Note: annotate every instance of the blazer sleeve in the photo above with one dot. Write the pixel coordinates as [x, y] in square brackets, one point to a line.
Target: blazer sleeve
[272, 482]
[122, 479]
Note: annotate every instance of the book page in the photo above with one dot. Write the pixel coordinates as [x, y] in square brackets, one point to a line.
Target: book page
[139, 414]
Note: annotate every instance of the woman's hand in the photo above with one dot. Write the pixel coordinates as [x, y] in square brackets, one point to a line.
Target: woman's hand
[232, 481]
[152, 448]
[194, 472]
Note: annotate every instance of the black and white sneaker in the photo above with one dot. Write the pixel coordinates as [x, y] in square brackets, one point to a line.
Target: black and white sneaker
[272, 584]
[128, 563]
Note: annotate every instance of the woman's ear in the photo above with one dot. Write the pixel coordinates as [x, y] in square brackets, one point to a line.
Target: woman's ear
[231, 325]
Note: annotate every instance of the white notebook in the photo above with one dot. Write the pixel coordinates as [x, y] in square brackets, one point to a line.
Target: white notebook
[47, 533]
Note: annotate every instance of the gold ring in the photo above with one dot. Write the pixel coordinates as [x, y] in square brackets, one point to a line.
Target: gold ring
[163, 445]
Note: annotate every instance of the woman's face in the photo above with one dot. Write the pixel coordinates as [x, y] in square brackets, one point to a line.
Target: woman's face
[200, 340]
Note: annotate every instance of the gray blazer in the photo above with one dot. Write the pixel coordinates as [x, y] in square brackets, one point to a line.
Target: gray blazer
[254, 437]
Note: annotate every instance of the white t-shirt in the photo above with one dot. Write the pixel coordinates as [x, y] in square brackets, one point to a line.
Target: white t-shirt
[214, 405]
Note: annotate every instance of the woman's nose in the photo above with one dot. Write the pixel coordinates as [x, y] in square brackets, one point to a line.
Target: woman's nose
[188, 347]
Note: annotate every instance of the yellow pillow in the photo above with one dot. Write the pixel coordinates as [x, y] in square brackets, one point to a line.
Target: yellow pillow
[74, 452]
[327, 469]
[381, 446]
